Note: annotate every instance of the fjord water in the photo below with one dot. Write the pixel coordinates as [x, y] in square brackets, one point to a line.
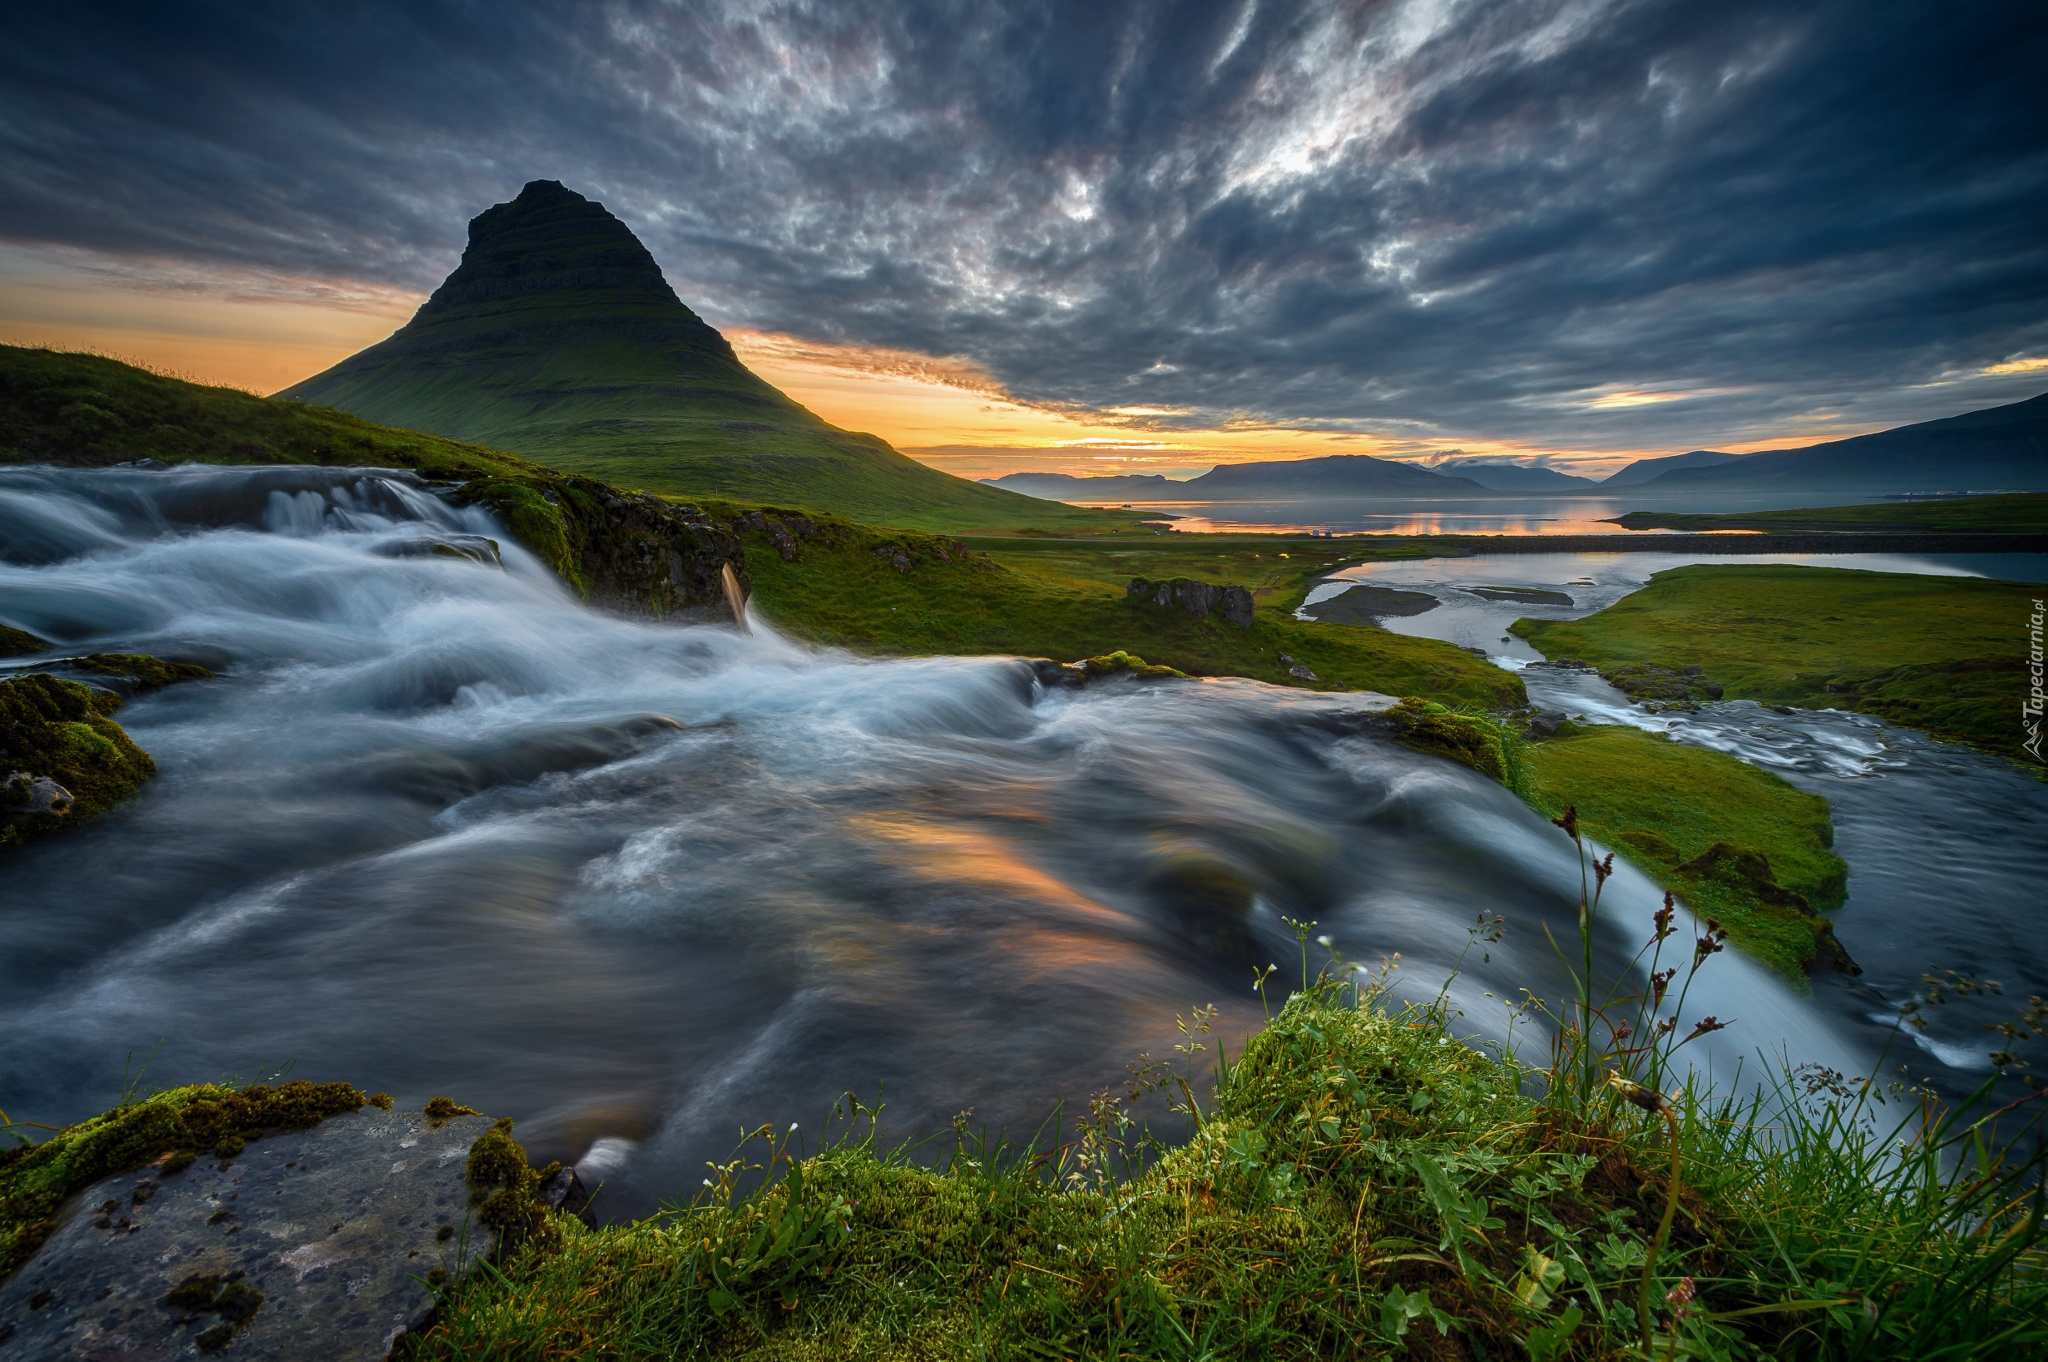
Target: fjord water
[1518, 513]
[439, 829]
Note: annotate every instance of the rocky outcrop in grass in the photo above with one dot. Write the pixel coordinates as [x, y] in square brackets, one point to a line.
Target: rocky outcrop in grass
[631, 553]
[1197, 598]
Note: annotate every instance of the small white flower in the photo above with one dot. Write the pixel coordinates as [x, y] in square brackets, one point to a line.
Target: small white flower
[792, 1127]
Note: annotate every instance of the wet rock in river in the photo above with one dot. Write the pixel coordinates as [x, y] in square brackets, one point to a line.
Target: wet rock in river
[472, 548]
[1662, 688]
[311, 1243]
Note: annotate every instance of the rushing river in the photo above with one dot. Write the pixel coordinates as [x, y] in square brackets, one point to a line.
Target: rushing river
[438, 828]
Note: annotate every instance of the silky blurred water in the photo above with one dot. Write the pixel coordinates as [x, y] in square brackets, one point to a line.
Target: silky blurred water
[438, 828]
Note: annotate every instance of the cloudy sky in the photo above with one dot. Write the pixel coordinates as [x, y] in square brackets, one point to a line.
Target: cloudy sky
[1095, 234]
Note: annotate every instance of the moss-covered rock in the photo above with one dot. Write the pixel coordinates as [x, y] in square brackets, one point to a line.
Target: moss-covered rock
[1121, 663]
[20, 643]
[507, 1191]
[632, 553]
[61, 732]
[1430, 727]
[1662, 688]
[183, 1124]
[1197, 598]
[140, 669]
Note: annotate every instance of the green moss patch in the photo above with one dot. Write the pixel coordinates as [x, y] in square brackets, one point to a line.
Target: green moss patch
[1326, 1206]
[146, 672]
[20, 643]
[1477, 741]
[62, 731]
[505, 1190]
[176, 1127]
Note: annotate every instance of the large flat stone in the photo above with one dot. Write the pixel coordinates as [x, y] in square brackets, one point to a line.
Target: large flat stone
[336, 1226]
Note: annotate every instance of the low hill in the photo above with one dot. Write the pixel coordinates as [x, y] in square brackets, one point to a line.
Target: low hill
[1644, 470]
[1067, 487]
[558, 338]
[2001, 449]
[1514, 477]
[2013, 513]
[1338, 475]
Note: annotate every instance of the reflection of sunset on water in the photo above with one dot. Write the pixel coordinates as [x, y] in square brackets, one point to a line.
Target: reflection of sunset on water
[1508, 515]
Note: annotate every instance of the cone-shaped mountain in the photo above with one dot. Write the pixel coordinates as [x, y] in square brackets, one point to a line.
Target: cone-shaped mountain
[558, 338]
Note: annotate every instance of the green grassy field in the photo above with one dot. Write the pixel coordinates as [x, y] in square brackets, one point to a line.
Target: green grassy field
[1279, 569]
[1666, 807]
[1066, 602]
[1940, 654]
[2015, 513]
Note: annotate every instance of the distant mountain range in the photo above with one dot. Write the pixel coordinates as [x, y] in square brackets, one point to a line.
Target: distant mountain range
[1515, 477]
[1648, 470]
[1337, 475]
[1997, 449]
[558, 338]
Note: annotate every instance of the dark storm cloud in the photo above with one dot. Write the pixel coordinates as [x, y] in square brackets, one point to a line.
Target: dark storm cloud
[1418, 219]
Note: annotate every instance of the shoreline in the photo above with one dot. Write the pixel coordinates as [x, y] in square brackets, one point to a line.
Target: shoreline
[1820, 541]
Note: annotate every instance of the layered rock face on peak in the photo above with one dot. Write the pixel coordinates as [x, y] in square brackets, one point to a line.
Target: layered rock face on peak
[558, 338]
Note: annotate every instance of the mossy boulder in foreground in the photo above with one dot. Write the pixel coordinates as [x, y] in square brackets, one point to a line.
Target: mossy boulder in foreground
[322, 1239]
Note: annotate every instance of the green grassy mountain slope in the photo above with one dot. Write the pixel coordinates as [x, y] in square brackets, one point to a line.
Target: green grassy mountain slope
[558, 338]
[89, 411]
